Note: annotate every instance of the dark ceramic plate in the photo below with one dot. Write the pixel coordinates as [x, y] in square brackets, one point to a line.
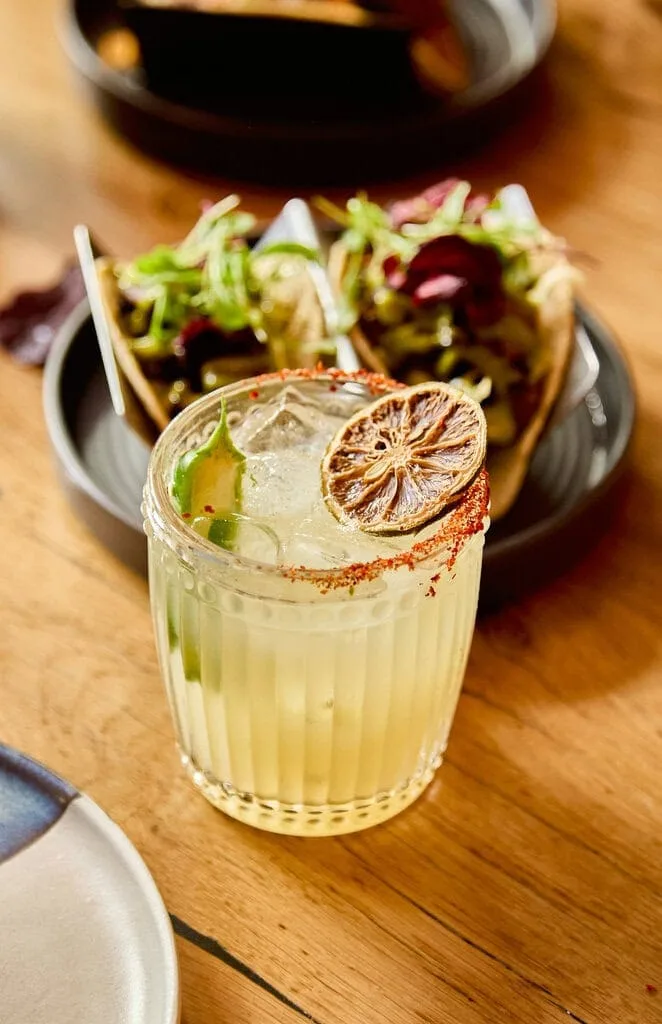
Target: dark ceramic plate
[572, 476]
[252, 133]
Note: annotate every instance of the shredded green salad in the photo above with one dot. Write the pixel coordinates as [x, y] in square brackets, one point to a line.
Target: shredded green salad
[447, 286]
[214, 274]
[214, 308]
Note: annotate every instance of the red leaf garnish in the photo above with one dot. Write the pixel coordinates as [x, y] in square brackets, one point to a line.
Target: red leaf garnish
[30, 322]
[442, 288]
[451, 269]
[397, 279]
[419, 209]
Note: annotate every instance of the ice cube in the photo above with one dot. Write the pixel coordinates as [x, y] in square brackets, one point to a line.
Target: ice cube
[315, 552]
[318, 550]
[258, 541]
[288, 420]
[241, 534]
[291, 395]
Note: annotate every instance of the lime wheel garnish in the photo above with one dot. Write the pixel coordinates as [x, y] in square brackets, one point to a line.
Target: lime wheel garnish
[398, 463]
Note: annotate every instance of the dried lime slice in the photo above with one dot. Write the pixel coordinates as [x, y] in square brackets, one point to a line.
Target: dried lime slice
[399, 462]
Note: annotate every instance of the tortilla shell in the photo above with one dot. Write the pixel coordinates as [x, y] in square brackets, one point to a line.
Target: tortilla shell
[295, 294]
[507, 467]
[144, 412]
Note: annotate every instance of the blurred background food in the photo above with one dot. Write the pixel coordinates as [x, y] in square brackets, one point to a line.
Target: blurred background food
[322, 91]
[323, 51]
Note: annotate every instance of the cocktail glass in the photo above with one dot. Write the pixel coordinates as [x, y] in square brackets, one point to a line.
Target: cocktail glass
[314, 670]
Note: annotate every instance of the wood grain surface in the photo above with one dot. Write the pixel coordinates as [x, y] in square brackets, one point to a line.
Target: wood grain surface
[525, 887]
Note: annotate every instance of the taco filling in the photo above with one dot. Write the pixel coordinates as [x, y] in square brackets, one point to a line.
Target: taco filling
[189, 318]
[451, 286]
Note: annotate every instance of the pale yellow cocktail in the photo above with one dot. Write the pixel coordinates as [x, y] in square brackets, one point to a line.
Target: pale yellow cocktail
[312, 670]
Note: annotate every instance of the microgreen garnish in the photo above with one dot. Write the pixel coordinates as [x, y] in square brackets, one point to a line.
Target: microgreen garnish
[446, 285]
[214, 273]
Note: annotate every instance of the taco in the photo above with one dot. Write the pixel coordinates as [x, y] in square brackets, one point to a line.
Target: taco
[189, 318]
[451, 285]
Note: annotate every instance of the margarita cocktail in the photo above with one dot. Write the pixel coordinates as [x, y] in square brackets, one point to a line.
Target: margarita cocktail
[312, 668]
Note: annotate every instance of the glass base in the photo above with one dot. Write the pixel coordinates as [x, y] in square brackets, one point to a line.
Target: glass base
[308, 819]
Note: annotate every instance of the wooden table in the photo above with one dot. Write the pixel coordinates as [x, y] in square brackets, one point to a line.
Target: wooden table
[525, 887]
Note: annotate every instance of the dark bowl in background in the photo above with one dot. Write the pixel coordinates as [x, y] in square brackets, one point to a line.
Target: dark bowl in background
[278, 67]
[357, 114]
